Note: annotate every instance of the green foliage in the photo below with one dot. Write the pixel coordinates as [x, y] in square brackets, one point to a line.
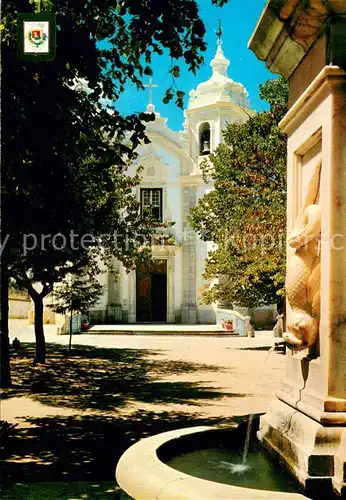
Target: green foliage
[67, 148]
[275, 92]
[65, 156]
[245, 214]
[77, 293]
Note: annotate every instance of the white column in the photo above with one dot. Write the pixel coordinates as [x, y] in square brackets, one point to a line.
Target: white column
[132, 296]
[170, 287]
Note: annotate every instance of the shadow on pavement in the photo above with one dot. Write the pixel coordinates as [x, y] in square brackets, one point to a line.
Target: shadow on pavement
[106, 378]
[62, 491]
[86, 447]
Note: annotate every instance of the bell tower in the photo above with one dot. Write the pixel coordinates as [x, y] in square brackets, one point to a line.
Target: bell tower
[212, 105]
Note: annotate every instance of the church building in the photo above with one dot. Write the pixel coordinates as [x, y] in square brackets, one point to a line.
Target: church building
[171, 185]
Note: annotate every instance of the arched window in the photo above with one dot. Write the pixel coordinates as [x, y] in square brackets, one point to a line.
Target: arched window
[204, 139]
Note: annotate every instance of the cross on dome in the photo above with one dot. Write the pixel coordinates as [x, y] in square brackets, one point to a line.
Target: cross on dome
[220, 63]
[150, 86]
[218, 33]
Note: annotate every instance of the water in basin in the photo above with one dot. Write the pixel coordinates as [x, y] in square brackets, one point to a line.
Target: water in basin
[226, 466]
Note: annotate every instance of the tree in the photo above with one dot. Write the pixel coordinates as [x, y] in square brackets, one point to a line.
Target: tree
[76, 294]
[5, 373]
[65, 157]
[245, 214]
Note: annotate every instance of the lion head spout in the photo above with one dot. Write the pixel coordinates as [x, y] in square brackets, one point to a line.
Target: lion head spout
[302, 332]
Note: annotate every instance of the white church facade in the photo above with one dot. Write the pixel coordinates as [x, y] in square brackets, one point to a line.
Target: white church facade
[171, 185]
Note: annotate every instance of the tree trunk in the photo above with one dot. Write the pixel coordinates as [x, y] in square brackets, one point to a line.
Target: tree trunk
[281, 304]
[71, 321]
[5, 380]
[40, 356]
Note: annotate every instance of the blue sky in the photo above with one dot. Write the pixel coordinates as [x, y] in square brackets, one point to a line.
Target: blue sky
[239, 19]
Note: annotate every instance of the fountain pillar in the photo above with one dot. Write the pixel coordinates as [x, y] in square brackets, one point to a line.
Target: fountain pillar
[305, 426]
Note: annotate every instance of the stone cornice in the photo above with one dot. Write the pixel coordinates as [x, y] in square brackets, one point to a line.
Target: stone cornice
[219, 105]
[192, 180]
[328, 73]
[287, 30]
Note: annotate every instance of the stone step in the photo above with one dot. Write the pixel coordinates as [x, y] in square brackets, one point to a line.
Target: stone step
[162, 329]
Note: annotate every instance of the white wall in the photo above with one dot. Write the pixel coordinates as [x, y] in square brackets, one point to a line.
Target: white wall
[18, 308]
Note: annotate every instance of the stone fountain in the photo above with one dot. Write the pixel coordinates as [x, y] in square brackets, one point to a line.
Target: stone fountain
[305, 427]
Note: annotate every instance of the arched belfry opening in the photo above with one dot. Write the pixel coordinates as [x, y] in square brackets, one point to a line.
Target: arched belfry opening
[204, 139]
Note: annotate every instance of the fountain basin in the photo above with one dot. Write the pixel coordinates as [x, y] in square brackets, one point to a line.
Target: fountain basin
[203, 463]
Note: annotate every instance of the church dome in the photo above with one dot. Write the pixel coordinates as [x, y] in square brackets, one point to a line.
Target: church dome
[219, 87]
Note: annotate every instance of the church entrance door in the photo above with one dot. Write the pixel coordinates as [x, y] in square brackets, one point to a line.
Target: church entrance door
[152, 293]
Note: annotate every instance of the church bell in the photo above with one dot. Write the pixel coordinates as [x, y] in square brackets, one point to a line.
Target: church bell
[206, 148]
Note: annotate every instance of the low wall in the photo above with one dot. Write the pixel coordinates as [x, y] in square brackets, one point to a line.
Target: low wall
[64, 327]
[261, 317]
[48, 317]
[239, 322]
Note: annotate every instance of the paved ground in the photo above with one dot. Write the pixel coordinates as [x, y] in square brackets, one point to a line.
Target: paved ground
[77, 414]
[231, 367]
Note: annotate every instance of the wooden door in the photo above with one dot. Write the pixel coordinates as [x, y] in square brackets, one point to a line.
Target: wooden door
[151, 293]
[158, 297]
[143, 302]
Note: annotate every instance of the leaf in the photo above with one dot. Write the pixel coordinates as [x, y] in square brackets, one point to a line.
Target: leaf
[168, 96]
[175, 71]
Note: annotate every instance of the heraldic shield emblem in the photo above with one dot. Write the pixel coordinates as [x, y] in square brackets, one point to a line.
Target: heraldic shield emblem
[36, 36]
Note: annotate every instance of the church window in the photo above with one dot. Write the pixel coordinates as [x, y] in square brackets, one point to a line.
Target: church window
[204, 139]
[151, 199]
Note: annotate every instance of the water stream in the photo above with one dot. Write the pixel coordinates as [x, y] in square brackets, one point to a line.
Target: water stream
[251, 417]
[247, 439]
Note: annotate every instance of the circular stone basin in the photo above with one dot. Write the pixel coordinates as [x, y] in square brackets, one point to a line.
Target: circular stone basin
[225, 466]
[201, 463]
